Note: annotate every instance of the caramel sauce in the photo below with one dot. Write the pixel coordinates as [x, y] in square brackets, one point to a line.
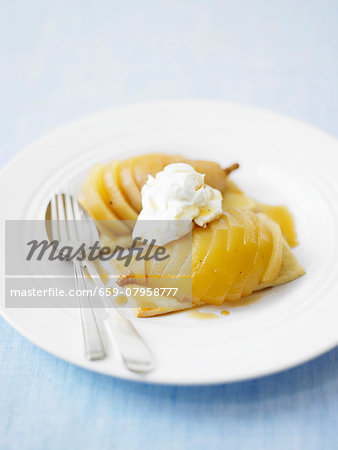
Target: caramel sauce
[197, 314]
[244, 301]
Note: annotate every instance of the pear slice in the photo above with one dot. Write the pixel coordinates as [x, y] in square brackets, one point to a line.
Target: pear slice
[248, 256]
[129, 187]
[275, 262]
[94, 200]
[118, 203]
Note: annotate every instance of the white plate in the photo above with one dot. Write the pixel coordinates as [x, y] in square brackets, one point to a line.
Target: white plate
[282, 161]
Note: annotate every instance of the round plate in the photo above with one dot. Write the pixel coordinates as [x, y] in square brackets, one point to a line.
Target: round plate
[282, 161]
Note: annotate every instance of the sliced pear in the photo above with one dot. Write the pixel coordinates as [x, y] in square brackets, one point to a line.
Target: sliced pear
[94, 201]
[201, 239]
[262, 256]
[129, 187]
[248, 248]
[290, 270]
[234, 255]
[179, 253]
[275, 262]
[118, 203]
[213, 290]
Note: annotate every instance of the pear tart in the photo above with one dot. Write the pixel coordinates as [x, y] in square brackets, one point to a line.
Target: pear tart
[246, 249]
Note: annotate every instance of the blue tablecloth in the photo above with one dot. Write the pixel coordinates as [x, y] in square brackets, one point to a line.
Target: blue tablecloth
[60, 60]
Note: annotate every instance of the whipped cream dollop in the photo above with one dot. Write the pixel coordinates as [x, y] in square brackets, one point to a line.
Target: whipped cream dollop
[172, 200]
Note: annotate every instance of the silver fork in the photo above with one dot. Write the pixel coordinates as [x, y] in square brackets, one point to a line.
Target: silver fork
[61, 226]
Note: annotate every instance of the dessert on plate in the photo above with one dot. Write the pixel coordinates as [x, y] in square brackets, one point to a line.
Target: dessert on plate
[223, 245]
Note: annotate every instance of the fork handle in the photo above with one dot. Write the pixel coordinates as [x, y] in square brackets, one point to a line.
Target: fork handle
[93, 344]
[133, 350]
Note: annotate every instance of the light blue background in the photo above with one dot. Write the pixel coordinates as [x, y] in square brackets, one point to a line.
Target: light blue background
[60, 60]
